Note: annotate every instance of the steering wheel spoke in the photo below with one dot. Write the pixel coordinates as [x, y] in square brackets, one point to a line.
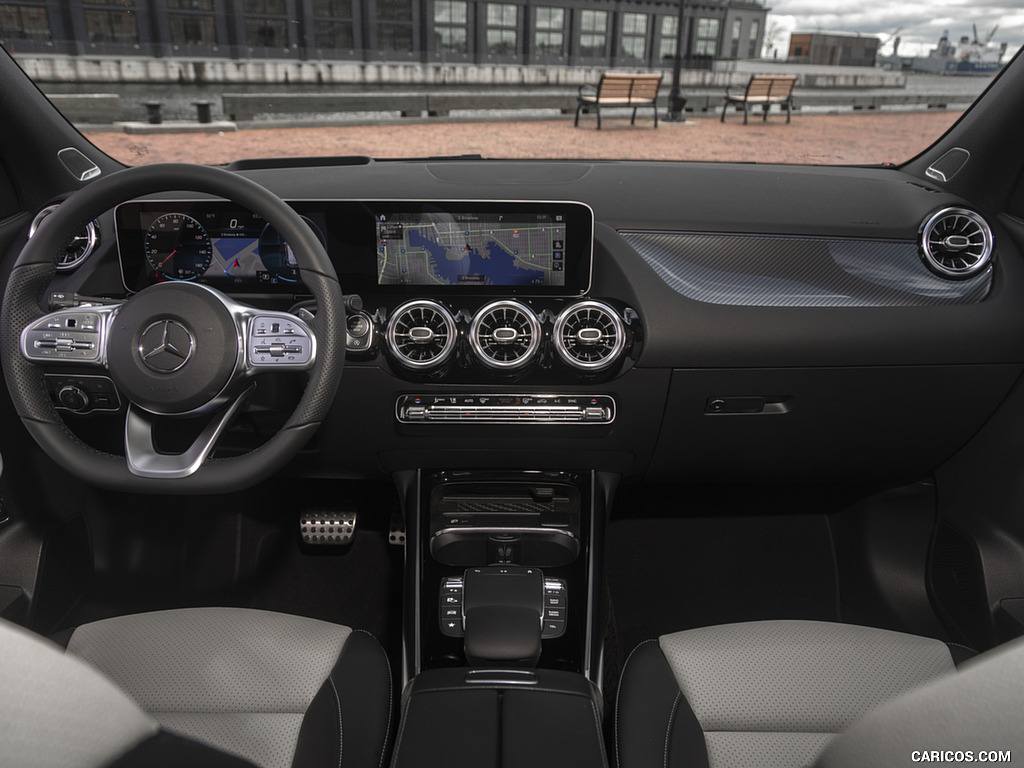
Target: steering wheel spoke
[77, 335]
[144, 460]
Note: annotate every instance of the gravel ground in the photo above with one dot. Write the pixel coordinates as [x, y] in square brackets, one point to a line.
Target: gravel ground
[809, 139]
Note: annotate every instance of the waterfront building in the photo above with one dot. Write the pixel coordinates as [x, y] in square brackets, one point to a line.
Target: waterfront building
[833, 49]
[561, 33]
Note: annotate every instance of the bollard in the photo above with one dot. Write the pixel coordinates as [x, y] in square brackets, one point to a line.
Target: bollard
[153, 112]
[203, 111]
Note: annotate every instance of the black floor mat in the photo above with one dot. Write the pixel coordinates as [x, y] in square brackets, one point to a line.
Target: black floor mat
[360, 586]
[244, 550]
[681, 558]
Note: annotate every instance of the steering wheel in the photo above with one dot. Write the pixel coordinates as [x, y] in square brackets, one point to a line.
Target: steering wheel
[174, 350]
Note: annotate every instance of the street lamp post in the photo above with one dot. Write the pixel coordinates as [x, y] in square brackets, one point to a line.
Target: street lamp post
[676, 103]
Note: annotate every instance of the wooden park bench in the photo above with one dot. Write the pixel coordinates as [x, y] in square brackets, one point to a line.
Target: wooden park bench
[762, 91]
[617, 89]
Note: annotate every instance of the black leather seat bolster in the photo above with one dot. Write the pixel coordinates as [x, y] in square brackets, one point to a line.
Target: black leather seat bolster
[654, 724]
[349, 719]
[168, 750]
[960, 653]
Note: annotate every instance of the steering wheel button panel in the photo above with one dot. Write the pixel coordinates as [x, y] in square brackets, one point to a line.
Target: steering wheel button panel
[68, 335]
[279, 341]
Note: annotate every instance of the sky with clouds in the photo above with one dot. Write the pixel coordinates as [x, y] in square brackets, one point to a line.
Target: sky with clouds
[920, 23]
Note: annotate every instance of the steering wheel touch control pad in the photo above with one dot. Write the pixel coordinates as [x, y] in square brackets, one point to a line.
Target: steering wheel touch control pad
[279, 341]
[70, 335]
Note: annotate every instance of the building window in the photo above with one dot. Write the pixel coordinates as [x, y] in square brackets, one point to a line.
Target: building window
[332, 24]
[593, 33]
[707, 37]
[451, 18]
[112, 21]
[502, 29]
[669, 33]
[192, 29]
[192, 22]
[394, 28]
[266, 23]
[737, 29]
[549, 37]
[24, 22]
[755, 30]
[634, 36]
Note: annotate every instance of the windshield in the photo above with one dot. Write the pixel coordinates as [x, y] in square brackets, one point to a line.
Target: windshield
[796, 81]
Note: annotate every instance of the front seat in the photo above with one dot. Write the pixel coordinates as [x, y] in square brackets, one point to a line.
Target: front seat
[767, 693]
[272, 689]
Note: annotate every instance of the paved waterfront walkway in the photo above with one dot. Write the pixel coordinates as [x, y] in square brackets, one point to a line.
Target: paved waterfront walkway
[810, 139]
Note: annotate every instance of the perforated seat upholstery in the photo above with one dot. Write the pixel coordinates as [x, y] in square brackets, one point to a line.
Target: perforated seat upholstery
[772, 693]
[274, 689]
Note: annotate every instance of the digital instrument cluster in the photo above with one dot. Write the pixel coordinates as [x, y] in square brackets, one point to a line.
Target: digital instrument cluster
[219, 244]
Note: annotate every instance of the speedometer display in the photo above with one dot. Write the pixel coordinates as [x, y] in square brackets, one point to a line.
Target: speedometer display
[178, 247]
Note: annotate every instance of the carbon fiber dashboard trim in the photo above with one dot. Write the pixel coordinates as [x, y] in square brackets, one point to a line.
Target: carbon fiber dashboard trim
[782, 271]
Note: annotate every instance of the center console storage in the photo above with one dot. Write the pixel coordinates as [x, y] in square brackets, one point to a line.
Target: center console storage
[500, 718]
[503, 568]
[504, 625]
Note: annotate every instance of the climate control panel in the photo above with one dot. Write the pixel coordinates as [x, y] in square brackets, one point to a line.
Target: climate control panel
[530, 408]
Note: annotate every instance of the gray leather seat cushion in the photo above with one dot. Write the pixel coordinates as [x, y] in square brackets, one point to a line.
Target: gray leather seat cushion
[57, 712]
[762, 693]
[978, 710]
[237, 679]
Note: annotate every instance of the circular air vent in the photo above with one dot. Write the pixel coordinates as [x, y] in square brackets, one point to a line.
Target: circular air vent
[421, 334]
[505, 334]
[589, 335]
[78, 249]
[956, 243]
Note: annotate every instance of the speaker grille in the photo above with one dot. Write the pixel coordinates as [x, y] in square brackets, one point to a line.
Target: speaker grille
[949, 165]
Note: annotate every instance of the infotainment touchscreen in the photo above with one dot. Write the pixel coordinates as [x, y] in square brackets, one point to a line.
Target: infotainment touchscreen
[485, 247]
[471, 249]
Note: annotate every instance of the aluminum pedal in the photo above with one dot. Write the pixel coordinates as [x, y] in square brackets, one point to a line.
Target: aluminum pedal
[336, 527]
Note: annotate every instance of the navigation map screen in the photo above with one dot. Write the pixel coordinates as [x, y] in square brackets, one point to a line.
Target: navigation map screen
[432, 248]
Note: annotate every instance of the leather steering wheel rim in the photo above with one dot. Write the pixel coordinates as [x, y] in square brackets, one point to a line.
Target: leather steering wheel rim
[34, 271]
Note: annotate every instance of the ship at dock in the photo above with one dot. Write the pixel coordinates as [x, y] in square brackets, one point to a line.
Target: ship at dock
[969, 56]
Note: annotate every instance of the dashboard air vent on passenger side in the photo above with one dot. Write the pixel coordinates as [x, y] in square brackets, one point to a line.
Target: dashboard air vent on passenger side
[956, 243]
[505, 335]
[421, 334]
[589, 335]
[81, 246]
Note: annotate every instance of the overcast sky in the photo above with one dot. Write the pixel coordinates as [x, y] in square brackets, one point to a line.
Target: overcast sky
[921, 23]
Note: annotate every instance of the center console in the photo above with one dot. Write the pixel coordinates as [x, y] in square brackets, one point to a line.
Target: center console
[504, 622]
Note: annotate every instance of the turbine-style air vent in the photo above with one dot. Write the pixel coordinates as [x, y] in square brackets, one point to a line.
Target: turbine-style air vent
[81, 246]
[589, 335]
[505, 335]
[956, 243]
[421, 334]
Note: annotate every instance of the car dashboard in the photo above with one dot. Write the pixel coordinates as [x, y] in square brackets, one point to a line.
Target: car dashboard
[773, 325]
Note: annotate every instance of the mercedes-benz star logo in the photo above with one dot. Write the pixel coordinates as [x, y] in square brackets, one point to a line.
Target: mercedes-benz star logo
[165, 346]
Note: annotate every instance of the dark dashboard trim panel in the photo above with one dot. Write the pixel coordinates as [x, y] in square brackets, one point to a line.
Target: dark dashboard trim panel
[797, 271]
